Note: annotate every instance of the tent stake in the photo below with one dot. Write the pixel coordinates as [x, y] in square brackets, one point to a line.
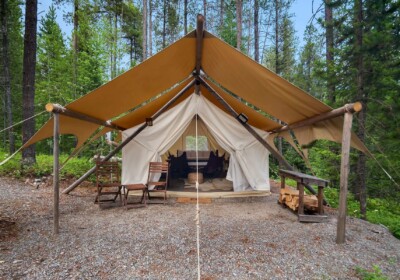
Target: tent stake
[344, 176]
[127, 140]
[56, 170]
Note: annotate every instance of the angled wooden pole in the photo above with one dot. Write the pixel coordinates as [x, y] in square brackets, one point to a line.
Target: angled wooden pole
[352, 108]
[56, 108]
[56, 171]
[274, 153]
[127, 140]
[344, 175]
[278, 156]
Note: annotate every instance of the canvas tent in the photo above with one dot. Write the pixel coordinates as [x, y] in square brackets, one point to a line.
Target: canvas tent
[141, 92]
[248, 166]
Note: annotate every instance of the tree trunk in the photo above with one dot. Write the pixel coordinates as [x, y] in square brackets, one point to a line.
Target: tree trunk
[144, 46]
[256, 32]
[361, 192]
[329, 52]
[75, 44]
[277, 65]
[277, 61]
[185, 14]
[28, 80]
[7, 78]
[239, 24]
[205, 13]
[150, 42]
[221, 15]
[164, 23]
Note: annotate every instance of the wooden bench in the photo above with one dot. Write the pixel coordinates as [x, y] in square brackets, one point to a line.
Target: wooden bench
[297, 201]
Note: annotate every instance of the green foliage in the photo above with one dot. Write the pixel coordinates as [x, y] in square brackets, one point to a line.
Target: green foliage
[375, 274]
[379, 211]
[74, 168]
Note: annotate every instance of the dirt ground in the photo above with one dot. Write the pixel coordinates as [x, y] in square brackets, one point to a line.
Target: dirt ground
[247, 238]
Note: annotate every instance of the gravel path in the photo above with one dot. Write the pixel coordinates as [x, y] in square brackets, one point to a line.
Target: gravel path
[247, 239]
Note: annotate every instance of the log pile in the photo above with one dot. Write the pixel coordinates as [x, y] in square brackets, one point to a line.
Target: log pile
[290, 197]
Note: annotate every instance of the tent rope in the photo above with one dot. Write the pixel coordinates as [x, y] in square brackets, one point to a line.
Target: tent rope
[18, 123]
[197, 206]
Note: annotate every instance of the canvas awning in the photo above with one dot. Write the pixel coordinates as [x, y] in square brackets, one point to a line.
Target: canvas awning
[141, 91]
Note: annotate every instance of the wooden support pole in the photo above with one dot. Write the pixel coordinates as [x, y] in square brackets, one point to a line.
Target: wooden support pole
[56, 170]
[199, 48]
[344, 174]
[351, 108]
[56, 108]
[127, 140]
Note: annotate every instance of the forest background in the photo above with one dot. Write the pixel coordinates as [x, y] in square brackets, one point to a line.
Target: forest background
[350, 51]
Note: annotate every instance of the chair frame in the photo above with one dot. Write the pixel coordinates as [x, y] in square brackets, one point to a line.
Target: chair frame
[159, 186]
[135, 187]
[108, 181]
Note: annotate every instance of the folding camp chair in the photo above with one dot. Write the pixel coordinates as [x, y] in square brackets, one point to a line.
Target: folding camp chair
[158, 170]
[108, 182]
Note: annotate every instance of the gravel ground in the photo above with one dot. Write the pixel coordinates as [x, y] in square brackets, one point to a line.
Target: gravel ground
[250, 238]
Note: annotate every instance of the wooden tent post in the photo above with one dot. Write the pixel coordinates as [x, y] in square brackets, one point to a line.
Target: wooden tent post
[344, 175]
[56, 167]
[127, 140]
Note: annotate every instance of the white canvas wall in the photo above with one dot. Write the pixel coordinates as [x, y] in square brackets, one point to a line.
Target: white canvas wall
[248, 166]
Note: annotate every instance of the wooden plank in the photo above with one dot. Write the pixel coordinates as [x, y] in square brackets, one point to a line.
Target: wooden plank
[320, 199]
[300, 187]
[312, 218]
[344, 174]
[193, 200]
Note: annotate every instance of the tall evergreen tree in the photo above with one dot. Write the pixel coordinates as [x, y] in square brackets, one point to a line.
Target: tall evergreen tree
[28, 83]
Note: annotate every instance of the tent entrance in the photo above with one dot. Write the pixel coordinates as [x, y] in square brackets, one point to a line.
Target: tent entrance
[196, 150]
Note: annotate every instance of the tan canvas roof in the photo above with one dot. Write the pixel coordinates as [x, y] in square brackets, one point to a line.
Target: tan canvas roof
[143, 90]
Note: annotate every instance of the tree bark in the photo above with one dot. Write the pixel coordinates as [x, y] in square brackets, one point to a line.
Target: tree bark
[361, 191]
[185, 14]
[329, 51]
[144, 46]
[205, 13]
[75, 43]
[7, 78]
[256, 32]
[28, 80]
[150, 42]
[221, 15]
[164, 23]
[239, 24]
[277, 61]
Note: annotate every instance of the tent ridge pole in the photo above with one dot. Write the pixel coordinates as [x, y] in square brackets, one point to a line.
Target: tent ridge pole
[56, 108]
[127, 140]
[350, 108]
